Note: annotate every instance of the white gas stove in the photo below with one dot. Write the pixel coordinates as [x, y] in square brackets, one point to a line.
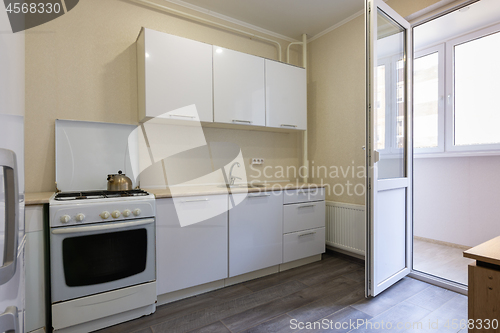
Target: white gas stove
[102, 253]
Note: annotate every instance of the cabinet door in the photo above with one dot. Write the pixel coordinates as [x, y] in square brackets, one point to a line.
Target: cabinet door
[192, 255]
[255, 232]
[286, 96]
[238, 88]
[178, 74]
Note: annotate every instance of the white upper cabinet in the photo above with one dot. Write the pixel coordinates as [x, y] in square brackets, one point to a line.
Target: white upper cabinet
[286, 96]
[239, 83]
[174, 74]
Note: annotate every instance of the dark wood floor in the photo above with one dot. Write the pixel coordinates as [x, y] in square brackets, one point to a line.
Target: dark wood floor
[330, 291]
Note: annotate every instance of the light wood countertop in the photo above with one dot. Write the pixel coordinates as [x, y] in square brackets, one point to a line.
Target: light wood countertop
[195, 190]
[41, 198]
[37, 198]
[487, 252]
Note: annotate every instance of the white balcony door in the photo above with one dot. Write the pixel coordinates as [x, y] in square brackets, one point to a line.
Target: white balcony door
[388, 147]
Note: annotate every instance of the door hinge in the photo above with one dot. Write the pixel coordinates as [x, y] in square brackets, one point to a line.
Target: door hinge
[369, 184]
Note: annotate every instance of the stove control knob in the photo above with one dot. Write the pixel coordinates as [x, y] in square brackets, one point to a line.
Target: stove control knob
[126, 213]
[80, 217]
[104, 215]
[116, 214]
[137, 212]
[65, 218]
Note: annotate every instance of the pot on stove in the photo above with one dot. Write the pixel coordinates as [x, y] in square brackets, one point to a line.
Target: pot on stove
[119, 182]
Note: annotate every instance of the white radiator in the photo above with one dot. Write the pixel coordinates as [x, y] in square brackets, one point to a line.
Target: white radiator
[345, 227]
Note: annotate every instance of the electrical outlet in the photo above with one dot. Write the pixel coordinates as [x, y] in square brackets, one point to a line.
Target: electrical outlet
[257, 161]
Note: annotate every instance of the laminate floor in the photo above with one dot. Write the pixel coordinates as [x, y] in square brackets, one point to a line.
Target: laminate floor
[327, 295]
[440, 260]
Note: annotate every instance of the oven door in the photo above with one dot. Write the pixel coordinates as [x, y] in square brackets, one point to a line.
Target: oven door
[91, 259]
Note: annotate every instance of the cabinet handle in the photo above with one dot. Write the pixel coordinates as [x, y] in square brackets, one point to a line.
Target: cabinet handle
[182, 116]
[286, 125]
[196, 200]
[305, 206]
[242, 121]
[259, 195]
[307, 234]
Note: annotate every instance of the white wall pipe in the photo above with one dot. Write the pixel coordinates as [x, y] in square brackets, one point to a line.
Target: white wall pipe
[197, 18]
[288, 50]
[305, 157]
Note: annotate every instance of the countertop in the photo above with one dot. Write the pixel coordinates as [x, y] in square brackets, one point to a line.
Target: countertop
[187, 191]
[39, 198]
[487, 252]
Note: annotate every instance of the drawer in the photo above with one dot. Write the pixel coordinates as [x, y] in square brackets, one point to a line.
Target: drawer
[303, 216]
[303, 195]
[303, 244]
[191, 210]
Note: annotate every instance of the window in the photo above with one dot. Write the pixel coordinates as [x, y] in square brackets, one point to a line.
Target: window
[455, 92]
[477, 85]
[428, 100]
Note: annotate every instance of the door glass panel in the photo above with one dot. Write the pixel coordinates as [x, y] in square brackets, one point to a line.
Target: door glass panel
[380, 108]
[390, 107]
[101, 258]
[2, 215]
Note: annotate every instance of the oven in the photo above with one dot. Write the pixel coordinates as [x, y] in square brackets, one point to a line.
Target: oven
[89, 259]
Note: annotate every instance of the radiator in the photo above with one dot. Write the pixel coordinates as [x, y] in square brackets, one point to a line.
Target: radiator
[345, 227]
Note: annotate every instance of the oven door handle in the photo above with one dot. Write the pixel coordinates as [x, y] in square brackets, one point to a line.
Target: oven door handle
[120, 225]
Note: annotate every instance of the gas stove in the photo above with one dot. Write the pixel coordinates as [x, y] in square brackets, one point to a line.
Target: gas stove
[85, 207]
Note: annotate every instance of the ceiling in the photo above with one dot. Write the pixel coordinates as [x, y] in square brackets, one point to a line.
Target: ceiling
[290, 18]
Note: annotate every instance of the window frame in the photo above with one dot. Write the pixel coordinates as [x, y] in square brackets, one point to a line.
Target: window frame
[440, 50]
[450, 91]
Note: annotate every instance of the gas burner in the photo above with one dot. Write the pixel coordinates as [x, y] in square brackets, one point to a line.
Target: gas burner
[66, 196]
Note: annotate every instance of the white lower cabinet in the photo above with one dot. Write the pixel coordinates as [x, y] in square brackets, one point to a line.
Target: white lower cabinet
[35, 268]
[194, 254]
[303, 244]
[255, 232]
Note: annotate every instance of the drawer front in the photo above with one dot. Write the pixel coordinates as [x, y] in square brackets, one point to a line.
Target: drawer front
[486, 293]
[191, 210]
[303, 195]
[299, 245]
[303, 216]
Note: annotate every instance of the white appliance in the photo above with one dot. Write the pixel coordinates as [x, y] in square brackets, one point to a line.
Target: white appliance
[11, 177]
[102, 243]
[102, 253]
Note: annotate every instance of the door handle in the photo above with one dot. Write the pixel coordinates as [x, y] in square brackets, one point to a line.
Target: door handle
[306, 206]
[259, 195]
[9, 321]
[8, 162]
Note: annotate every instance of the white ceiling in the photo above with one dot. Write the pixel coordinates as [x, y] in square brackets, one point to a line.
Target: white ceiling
[290, 18]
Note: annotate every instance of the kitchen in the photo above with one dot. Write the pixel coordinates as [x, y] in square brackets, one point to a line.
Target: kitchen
[83, 66]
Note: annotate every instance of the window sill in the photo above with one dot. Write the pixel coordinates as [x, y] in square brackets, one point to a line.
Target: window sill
[458, 154]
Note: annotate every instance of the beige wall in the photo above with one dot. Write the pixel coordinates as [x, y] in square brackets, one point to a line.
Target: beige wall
[336, 104]
[82, 66]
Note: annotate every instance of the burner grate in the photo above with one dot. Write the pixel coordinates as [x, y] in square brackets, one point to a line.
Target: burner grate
[66, 196]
